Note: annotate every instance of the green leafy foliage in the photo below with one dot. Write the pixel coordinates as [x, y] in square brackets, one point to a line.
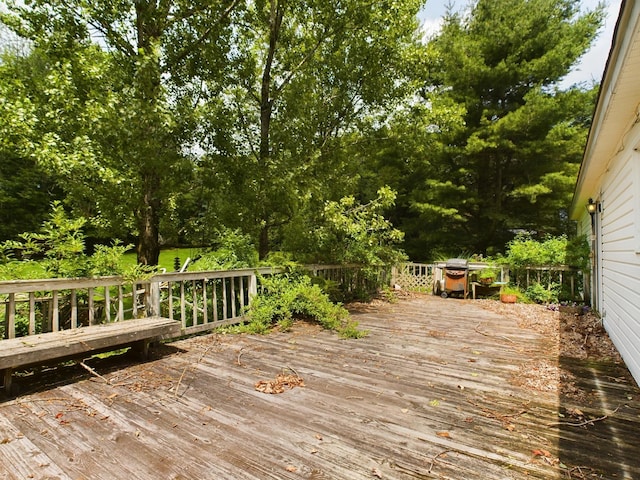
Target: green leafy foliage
[359, 233]
[513, 164]
[59, 250]
[539, 293]
[235, 250]
[286, 297]
[526, 251]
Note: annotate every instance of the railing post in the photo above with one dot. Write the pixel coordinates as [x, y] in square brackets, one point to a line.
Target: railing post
[152, 299]
[253, 286]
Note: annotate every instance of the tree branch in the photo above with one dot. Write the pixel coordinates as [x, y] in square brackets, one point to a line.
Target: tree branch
[189, 48]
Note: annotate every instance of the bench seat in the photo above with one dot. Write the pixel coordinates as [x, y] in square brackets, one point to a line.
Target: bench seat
[45, 347]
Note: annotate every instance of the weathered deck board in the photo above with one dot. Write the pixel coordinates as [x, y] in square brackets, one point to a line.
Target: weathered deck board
[430, 393]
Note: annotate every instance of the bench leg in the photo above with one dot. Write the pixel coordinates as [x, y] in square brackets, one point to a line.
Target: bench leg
[142, 348]
[7, 375]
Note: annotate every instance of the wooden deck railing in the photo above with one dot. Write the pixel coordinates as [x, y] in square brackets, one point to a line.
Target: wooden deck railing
[573, 282]
[200, 301]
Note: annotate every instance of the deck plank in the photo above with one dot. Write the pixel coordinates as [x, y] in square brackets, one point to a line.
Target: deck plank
[431, 392]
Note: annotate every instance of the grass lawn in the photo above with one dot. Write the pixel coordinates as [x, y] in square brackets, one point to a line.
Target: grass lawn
[167, 257]
[35, 269]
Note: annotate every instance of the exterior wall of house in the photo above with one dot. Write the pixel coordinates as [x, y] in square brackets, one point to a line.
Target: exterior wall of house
[618, 241]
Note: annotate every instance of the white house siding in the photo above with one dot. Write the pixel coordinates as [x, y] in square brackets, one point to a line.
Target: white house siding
[617, 220]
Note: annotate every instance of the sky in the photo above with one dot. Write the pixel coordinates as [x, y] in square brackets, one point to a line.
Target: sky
[592, 63]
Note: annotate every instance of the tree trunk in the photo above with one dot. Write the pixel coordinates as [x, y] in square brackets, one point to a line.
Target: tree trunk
[148, 248]
[263, 246]
[266, 111]
[149, 93]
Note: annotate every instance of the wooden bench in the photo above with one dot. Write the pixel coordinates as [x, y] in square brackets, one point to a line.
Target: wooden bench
[65, 344]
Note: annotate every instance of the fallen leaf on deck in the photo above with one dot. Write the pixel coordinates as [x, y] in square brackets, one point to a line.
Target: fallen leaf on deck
[541, 453]
[291, 468]
[279, 384]
[443, 434]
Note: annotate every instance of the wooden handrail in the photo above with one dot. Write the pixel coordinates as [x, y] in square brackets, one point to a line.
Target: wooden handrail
[199, 300]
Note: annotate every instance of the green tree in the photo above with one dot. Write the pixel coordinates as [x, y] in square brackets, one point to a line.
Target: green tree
[305, 75]
[115, 110]
[359, 233]
[26, 188]
[517, 157]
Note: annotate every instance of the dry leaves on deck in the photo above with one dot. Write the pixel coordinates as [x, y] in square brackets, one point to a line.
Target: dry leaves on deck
[280, 383]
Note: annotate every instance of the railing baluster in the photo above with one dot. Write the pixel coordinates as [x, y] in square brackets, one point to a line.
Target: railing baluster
[224, 299]
[233, 297]
[90, 307]
[170, 294]
[32, 313]
[183, 313]
[134, 300]
[74, 309]
[11, 316]
[194, 303]
[120, 304]
[215, 301]
[242, 293]
[55, 314]
[107, 304]
[205, 316]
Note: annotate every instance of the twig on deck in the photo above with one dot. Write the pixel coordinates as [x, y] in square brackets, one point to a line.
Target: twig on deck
[498, 416]
[240, 352]
[477, 329]
[437, 459]
[93, 372]
[192, 365]
[580, 473]
[582, 424]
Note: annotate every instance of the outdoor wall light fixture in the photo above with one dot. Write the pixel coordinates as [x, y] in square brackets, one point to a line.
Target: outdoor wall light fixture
[592, 208]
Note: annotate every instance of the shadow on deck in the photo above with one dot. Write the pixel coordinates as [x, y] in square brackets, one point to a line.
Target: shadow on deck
[436, 390]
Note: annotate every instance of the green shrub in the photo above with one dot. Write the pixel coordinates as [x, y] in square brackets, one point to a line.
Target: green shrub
[289, 296]
[524, 251]
[234, 250]
[59, 251]
[539, 293]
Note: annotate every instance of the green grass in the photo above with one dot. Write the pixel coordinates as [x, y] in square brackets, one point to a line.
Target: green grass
[35, 269]
[167, 257]
[28, 270]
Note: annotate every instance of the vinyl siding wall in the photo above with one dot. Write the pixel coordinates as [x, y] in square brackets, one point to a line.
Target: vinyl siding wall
[618, 221]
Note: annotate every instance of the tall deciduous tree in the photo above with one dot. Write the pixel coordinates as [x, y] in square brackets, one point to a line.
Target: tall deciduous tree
[517, 156]
[305, 72]
[120, 67]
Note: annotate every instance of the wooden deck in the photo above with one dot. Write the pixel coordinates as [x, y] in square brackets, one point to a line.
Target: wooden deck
[435, 391]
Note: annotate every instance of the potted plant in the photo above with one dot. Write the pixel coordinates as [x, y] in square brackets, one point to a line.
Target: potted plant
[509, 294]
[486, 276]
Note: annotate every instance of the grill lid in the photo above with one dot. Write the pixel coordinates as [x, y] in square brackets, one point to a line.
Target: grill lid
[457, 263]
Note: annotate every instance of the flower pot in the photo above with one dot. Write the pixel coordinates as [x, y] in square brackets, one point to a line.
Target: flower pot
[508, 298]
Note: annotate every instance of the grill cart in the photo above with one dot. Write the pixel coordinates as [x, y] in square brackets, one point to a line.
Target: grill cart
[455, 278]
